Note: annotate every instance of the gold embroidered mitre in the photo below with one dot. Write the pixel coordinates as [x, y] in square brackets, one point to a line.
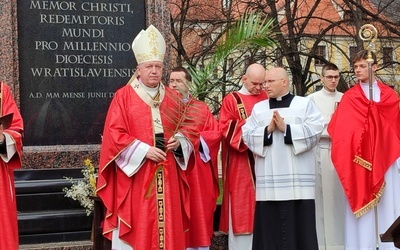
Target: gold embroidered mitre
[149, 45]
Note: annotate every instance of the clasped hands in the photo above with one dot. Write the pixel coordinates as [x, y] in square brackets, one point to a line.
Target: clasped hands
[277, 122]
[158, 155]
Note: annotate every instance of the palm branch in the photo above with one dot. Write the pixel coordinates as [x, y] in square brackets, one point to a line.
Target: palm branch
[181, 117]
[251, 31]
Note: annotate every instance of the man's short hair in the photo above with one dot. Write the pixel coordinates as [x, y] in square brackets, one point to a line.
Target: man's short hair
[363, 55]
[184, 70]
[329, 66]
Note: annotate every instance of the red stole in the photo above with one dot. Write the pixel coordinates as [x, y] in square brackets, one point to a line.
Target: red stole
[8, 211]
[365, 142]
[236, 166]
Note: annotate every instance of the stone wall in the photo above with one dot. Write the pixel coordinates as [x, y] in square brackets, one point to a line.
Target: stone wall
[58, 156]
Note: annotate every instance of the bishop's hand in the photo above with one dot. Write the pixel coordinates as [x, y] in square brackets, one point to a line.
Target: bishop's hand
[156, 154]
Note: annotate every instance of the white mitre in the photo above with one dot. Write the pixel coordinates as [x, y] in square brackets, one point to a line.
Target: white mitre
[149, 45]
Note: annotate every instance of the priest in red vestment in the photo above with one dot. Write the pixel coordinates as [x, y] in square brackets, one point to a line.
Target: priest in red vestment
[238, 205]
[203, 178]
[143, 158]
[11, 132]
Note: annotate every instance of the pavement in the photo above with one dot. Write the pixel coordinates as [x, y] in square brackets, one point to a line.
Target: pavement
[219, 242]
[72, 245]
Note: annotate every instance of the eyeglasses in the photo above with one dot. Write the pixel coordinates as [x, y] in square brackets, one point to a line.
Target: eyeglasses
[332, 77]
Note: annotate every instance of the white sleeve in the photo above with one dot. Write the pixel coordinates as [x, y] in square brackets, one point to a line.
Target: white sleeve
[187, 149]
[131, 158]
[10, 145]
[205, 155]
[307, 131]
[253, 134]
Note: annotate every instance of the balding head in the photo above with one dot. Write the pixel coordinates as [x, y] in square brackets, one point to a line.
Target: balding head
[278, 73]
[277, 82]
[255, 69]
[254, 78]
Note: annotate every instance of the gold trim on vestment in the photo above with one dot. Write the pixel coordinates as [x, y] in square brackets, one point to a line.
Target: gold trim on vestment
[160, 208]
[242, 111]
[372, 203]
[363, 163]
[240, 105]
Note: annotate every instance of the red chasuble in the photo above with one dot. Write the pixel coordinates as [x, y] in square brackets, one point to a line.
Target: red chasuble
[8, 211]
[365, 142]
[203, 179]
[236, 163]
[152, 205]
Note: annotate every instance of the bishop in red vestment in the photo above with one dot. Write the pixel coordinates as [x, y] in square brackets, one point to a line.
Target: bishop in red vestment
[11, 155]
[142, 180]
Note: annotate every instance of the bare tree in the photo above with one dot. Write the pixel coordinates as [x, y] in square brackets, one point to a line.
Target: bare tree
[205, 42]
[197, 26]
[389, 8]
[301, 28]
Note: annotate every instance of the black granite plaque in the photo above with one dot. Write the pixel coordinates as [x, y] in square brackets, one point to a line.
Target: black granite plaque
[73, 56]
